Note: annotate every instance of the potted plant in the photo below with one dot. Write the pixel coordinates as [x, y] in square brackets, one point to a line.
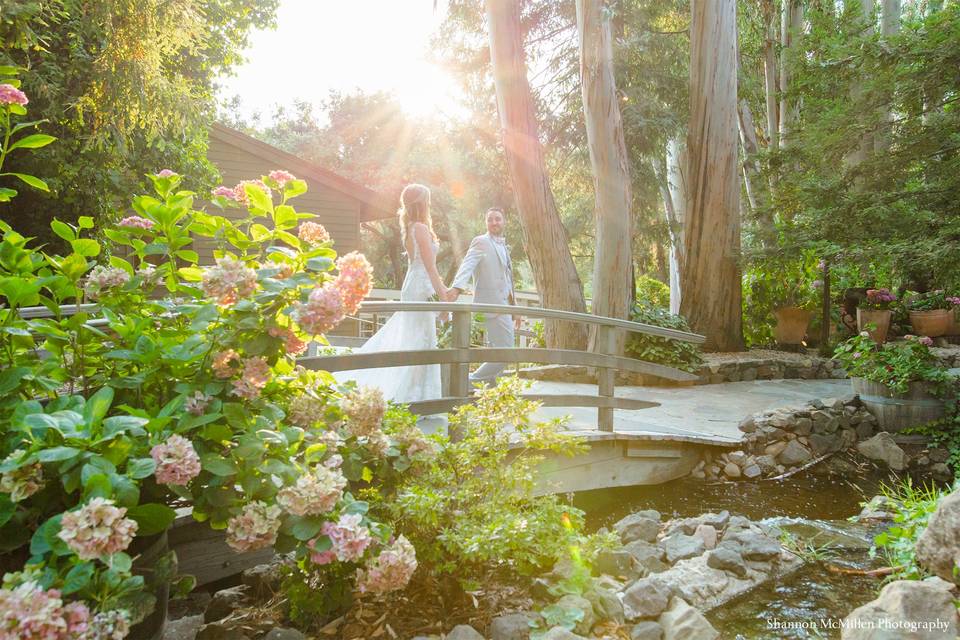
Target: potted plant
[794, 301]
[930, 313]
[901, 382]
[873, 313]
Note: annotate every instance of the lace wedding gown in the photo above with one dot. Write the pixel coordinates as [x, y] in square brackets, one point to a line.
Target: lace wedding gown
[404, 331]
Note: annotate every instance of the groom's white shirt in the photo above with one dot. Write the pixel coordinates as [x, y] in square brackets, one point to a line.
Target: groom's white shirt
[488, 265]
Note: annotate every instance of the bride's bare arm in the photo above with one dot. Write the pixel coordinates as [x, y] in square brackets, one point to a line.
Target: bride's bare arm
[428, 255]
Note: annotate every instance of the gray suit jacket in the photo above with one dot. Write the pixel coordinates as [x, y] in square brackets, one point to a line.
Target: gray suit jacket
[491, 272]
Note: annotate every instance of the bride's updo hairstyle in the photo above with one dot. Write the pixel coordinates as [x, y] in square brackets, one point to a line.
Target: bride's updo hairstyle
[414, 207]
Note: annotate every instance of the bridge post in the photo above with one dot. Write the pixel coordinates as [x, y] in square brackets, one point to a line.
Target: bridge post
[606, 376]
[460, 373]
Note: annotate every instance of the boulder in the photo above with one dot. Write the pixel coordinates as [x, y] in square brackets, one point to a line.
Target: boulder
[559, 633]
[731, 470]
[646, 598]
[681, 546]
[794, 453]
[767, 464]
[708, 534]
[683, 622]
[727, 558]
[938, 548]
[225, 601]
[752, 470]
[185, 628]
[606, 604]
[263, 579]
[513, 626]
[803, 426]
[464, 632]
[748, 425]
[646, 630]
[775, 449]
[898, 612]
[754, 546]
[579, 603]
[643, 525]
[941, 472]
[217, 631]
[286, 633]
[617, 562]
[882, 448]
[821, 443]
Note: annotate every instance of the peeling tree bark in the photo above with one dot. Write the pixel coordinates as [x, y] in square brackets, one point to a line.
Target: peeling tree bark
[791, 23]
[545, 239]
[711, 270]
[770, 75]
[613, 260]
[673, 193]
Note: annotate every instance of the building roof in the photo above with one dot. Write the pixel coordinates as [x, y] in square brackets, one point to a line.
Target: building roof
[375, 206]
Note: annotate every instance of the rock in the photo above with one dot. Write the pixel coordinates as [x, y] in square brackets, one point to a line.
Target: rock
[558, 633]
[681, 546]
[941, 472]
[513, 626]
[606, 604]
[683, 622]
[708, 534]
[939, 455]
[731, 470]
[285, 633]
[646, 598]
[848, 438]
[882, 447]
[748, 425]
[904, 601]
[217, 631]
[737, 457]
[225, 601]
[646, 630]
[803, 426]
[263, 579]
[877, 508]
[821, 443]
[774, 449]
[766, 463]
[938, 548]
[727, 558]
[185, 628]
[649, 556]
[643, 525]
[618, 562]
[752, 470]
[755, 546]
[579, 603]
[794, 453]
[464, 632]
[940, 583]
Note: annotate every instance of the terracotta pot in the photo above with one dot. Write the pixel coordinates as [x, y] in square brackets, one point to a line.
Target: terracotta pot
[930, 323]
[792, 323]
[880, 318]
[953, 328]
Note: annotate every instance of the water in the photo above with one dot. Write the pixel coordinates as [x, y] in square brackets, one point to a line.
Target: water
[811, 506]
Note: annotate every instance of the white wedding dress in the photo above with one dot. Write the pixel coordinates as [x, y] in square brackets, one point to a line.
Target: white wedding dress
[405, 331]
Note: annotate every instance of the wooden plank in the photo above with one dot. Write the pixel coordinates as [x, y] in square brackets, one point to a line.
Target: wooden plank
[203, 552]
[385, 359]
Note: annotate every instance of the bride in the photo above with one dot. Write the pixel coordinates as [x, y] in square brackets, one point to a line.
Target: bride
[409, 330]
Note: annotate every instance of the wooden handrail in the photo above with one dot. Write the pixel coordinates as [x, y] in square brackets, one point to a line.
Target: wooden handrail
[532, 312]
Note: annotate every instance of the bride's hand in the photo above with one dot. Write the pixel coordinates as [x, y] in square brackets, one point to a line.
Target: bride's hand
[443, 294]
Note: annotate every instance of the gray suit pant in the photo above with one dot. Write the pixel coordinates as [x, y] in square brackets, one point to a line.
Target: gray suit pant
[499, 334]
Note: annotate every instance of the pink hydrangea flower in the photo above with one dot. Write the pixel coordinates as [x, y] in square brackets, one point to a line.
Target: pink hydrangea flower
[256, 375]
[102, 279]
[954, 300]
[281, 177]
[225, 192]
[364, 409]
[97, 529]
[293, 345]
[305, 410]
[240, 193]
[23, 482]
[334, 462]
[166, 173]
[255, 528]
[355, 280]
[177, 461]
[228, 281]
[27, 612]
[350, 538]
[312, 233]
[286, 270]
[391, 570]
[322, 312]
[136, 222]
[9, 94]
[926, 341]
[320, 557]
[314, 493]
[196, 405]
[109, 625]
[223, 363]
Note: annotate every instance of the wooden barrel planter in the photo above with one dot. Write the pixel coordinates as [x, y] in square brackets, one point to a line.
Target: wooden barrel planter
[953, 327]
[897, 411]
[148, 551]
[930, 323]
[792, 323]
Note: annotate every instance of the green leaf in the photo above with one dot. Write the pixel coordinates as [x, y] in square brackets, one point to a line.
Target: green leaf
[120, 562]
[258, 197]
[45, 537]
[85, 247]
[97, 486]
[7, 508]
[33, 141]
[285, 217]
[33, 181]
[139, 468]
[78, 578]
[85, 222]
[218, 465]
[305, 528]
[319, 264]
[366, 475]
[119, 424]
[152, 518]
[97, 406]
[57, 454]
[63, 230]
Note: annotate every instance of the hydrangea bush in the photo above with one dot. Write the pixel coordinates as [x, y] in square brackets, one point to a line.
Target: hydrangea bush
[894, 364]
[173, 383]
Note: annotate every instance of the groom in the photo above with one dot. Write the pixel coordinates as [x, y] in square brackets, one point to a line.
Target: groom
[488, 263]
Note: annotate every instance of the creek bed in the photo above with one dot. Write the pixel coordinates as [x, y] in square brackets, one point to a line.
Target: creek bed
[810, 599]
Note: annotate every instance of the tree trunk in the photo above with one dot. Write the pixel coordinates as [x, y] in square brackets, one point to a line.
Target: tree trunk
[545, 239]
[770, 75]
[866, 142]
[753, 185]
[889, 26]
[673, 190]
[711, 270]
[791, 22]
[613, 261]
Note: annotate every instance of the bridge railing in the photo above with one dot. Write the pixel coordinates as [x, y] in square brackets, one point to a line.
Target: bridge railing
[460, 355]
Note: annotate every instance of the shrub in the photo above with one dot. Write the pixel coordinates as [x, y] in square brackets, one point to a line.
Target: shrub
[673, 353]
[894, 364]
[652, 292]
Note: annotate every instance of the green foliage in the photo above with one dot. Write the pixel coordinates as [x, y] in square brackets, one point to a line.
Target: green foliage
[473, 506]
[773, 283]
[931, 301]
[944, 433]
[652, 292]
[912, 507]
[894, 364]
[672, 353]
